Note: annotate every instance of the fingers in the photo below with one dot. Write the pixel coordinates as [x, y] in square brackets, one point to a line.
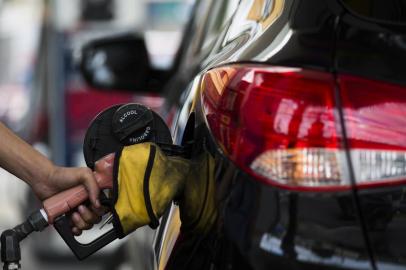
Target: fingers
[91, 185]
[105, 162]
[104, 170]
[84, 219]
[90, 217]
[79, 223]
[76, 231]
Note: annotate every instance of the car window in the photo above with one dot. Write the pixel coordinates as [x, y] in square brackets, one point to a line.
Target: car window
[393, 11]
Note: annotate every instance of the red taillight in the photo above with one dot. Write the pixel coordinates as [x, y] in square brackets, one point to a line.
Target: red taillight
[280, 125]
[375, 117]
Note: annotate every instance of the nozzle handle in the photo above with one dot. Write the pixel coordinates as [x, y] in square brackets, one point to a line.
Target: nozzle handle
[81, 250]
[67, 200]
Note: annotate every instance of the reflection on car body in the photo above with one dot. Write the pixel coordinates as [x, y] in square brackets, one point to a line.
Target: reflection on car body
[301, 107]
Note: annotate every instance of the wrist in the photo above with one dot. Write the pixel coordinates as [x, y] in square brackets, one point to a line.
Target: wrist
[43, 182]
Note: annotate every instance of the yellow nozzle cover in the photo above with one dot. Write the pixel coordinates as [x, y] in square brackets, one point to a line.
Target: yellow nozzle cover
[166, 179]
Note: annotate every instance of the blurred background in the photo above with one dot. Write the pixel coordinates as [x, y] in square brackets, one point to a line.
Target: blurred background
[45, 100]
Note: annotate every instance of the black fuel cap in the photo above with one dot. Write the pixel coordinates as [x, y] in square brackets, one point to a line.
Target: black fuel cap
[133, 123]
[122, 125]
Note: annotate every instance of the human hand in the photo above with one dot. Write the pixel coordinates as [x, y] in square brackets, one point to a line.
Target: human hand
[85, 217]
[62, 178]
[103, 169]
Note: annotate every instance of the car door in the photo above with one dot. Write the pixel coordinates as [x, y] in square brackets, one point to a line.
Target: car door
[206, 32]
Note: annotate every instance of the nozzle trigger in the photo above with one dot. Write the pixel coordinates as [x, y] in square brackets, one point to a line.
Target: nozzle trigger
[81, 250]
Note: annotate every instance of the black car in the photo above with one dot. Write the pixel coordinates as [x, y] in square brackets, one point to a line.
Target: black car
[302, 105]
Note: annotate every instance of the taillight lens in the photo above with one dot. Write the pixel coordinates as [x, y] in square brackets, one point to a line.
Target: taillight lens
[281, 125]
[375, 117]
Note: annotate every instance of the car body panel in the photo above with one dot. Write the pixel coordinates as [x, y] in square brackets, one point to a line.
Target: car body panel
[260, 226]
[274, 227]
[171, 234]
[376, 51]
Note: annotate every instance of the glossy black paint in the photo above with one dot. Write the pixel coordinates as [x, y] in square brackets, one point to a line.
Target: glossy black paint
[260, 226]
[264, 227]
[370, 49]
[377, 50]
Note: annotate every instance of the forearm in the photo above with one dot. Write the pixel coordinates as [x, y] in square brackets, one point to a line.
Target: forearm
[21, 159]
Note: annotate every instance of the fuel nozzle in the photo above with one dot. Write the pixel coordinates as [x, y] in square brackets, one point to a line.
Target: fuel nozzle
[10, 250]
[10, 239]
